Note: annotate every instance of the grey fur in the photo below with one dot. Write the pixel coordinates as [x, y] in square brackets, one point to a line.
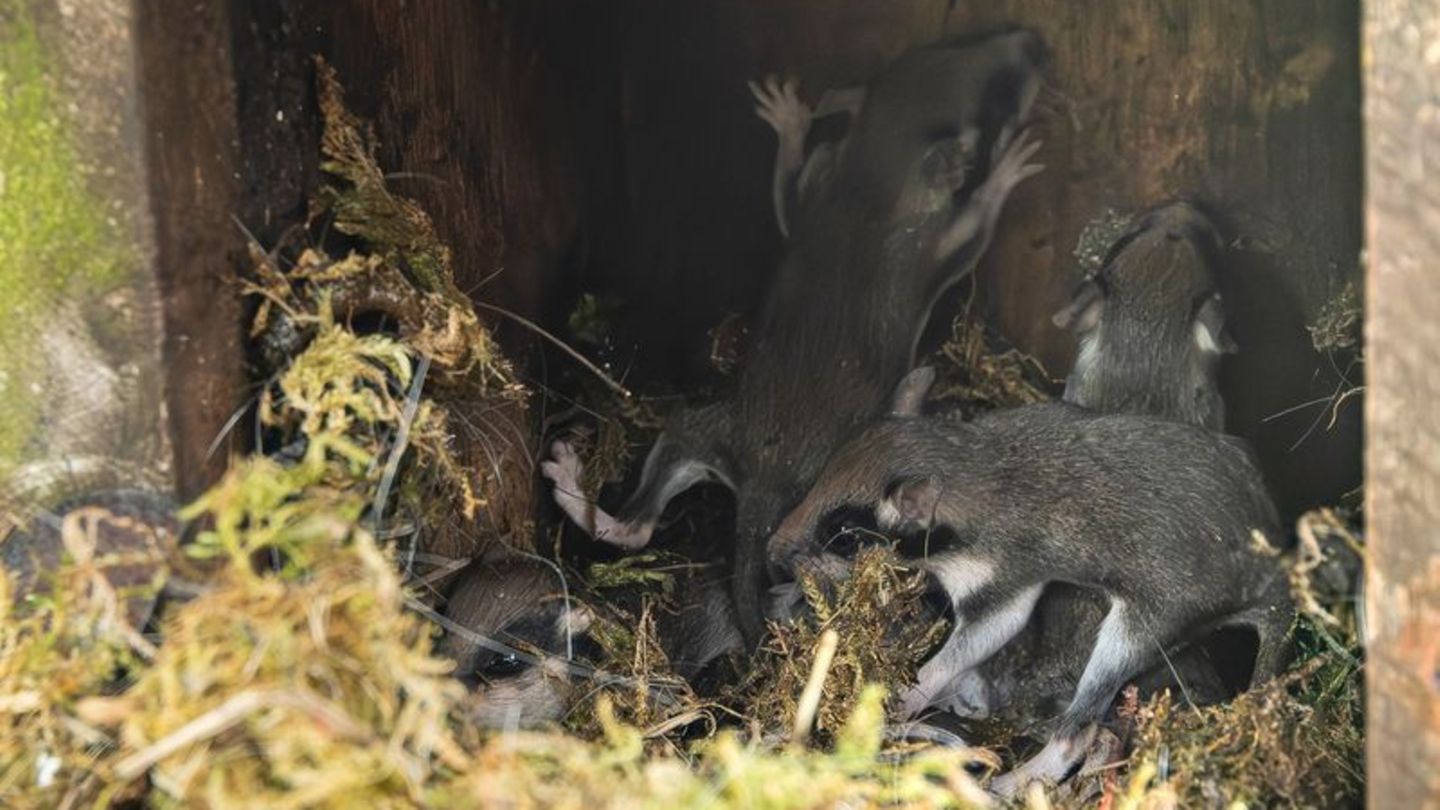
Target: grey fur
[1137, 322]
[519, 603]
[1151, 324]
[1154, 513]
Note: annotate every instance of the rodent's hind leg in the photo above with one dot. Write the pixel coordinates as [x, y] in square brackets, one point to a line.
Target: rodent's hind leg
[564, 469]
[945, 679]
[1061, 754]
[1122, 649]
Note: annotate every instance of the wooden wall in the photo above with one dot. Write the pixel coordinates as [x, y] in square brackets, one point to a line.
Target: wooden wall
[1402, 458]
[566, 146]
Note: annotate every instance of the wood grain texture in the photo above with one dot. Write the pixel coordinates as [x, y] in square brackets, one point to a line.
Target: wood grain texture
[191, 143]
[1402, 83]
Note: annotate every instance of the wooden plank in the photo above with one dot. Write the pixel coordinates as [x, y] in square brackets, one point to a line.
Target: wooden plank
[191, 144]
[1402, 420]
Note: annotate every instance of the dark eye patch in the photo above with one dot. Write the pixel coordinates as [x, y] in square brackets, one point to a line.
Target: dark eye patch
[847, 530]
[502, 665]
[530, 636]
[588, 649]
[937, 602]
[917, 545]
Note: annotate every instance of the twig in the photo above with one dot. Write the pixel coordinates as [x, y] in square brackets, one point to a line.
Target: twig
[814, 686]
[1302, 406]
[1340, 400]
[226, 715]
[435, 575]
[429, 178]
[563, 346]
[229, 426]
[402, 438]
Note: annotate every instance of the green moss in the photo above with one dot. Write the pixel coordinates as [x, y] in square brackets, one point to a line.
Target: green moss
[55, 240]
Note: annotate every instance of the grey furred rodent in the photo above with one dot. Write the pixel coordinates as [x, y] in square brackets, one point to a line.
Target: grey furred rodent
[512, 631]
[1154, 513]
[1151, 323]
[902, 212]
[1151, 333]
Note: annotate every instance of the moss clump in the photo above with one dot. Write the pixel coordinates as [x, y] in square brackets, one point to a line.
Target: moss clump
[395, 227]
[883, 634]
[55, 239]
[977, 378]
[1337, 326]
[347, 338]
[62, 647]
[311, 689]
[1297, 741]
[527, 770]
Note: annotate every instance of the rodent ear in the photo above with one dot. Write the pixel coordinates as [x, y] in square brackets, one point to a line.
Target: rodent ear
[1210, 333]
[911, 392]
[916, 500]
[1083, 312]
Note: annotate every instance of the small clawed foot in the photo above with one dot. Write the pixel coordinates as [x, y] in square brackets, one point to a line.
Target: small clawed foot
[1010, 162]
[778, 104]
[564, 467]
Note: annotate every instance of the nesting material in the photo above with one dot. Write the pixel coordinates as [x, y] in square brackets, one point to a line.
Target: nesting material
[313, 686]
[882, 635]
[1339, 322]
[60, 650]
[420, 332]
[977, 378]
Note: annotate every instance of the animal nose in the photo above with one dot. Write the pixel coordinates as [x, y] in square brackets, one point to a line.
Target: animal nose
[780, 553]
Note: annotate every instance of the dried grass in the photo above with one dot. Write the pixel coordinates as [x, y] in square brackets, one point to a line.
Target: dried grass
[978, 379]
[878, 617]
[1298, 741]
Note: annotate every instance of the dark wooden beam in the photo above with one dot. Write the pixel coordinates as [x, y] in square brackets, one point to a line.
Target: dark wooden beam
[191, 145]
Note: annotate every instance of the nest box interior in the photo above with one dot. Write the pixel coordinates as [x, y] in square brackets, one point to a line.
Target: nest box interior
[569, 148]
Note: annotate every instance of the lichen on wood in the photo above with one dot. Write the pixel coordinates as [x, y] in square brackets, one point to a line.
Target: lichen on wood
[61, 252]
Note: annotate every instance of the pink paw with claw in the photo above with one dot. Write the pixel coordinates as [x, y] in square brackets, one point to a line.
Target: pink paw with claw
[778, 104]
[564, 467]
[564, 470]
